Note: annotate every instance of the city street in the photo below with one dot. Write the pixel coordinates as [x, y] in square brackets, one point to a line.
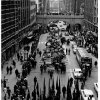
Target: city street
[70, 61]
[49, 49]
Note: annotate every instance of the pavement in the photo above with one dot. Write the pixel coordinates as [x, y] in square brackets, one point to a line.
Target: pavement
[71, 63]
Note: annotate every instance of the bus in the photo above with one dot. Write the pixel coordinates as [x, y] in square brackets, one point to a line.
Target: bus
[83, 58]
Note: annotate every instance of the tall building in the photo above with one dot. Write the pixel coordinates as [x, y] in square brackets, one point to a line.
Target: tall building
[91, 15]
[15, 24]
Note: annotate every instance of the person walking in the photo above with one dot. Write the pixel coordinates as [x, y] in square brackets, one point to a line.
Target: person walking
[64, 91]
[95, 63]
[89, 72]
[18, 56]
[69, 51]
[14, 63]
[7, 69]
[10, 70]
[40, 53]
[66, 51]
[28, 95]
[4, 82]
[82, 85]
[9, 92]
[16, 72]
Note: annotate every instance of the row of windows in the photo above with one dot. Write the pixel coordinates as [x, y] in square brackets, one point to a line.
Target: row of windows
[7, 2]
[7, 19]
[8, 32]
[10, 23]
[7, 5]
[4, 16]
[7, 11]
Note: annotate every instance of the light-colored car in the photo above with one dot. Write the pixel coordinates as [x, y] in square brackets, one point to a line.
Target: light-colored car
[73, 44]
[50, 69]
[74, 50]
[66, 34]
[86, 94]
[77, 73]
[96, 87]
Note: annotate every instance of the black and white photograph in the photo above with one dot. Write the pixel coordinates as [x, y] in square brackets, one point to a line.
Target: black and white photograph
[49, 50]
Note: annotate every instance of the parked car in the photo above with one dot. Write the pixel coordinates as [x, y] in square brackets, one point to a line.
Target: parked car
[66, 34]
[74, 50]
[86, 95]
[73, 43]
[77, 73]
[96, 87]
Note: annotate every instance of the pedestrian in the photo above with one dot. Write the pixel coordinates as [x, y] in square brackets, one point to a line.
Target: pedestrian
[66, 51]
[4, 82]
[89, 72]
[7, 69]
[37, 50]
[28, 95]
[69, 51]
[51, 74]
[9, 92]
[41, 68]
[35, 80]
[82, 85]
[5, 97]
[95, 63]
[83, 80]
[10, 70]
[18, 56]
[64, 91]
[35, 62]
[14, 63]
[16, 72]
[40, 53]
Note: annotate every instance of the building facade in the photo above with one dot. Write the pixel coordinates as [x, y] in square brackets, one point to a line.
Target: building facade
[91, 15]
[16, 23]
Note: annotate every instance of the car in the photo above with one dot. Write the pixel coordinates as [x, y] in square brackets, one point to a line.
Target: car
[74, 50]
[50, 69]
[73, 44]
[86, 94]
[77, 73]
[66, 34]
[96, 87]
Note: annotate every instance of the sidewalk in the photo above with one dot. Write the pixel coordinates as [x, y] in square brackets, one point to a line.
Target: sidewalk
[12, 78]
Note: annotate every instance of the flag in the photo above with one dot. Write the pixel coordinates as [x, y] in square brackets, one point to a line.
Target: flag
[57, 83]
[59, 87]
[53, 85]
[49, 87]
